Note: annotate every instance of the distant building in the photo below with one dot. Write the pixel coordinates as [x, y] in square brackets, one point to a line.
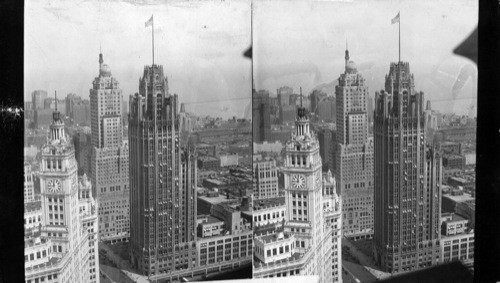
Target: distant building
[287, 114]
[50, 103]
[261, 116]
[327, 138]
[316, 97]
[274, 147]
[265, 179]
[70, 100]
[228, 160]
[284, 94]
[29, 185]
[43, 117]
[38, 98]
[470, 158]
[210, 163]
[454, 161]
[81, 113]
[448, 147]
[82, 139]
[326, 110]
[205, 149]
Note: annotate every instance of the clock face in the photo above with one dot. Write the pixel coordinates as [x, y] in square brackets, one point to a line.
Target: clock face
[53, 186]
[298, 182]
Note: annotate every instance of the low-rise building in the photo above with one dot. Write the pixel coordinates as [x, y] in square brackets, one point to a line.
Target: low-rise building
[453, 225]
[268, 211]
[454, 161]
[32, 215]
[207, 162]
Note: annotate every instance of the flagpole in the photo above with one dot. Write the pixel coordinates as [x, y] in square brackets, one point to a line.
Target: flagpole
[399, 25]
[153, 38]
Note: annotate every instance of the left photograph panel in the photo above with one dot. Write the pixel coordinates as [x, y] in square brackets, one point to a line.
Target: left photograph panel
[138, 141]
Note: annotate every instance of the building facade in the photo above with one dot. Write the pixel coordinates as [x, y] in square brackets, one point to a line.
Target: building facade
[261, 116]
[109, 158]
[407, 178]
[265, 179]
[60, 249]
[303, 244]
[162, 181]
[354, 153]
[29, 184]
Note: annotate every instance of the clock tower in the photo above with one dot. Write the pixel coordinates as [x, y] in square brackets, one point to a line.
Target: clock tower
[59, 185]
[303, 187]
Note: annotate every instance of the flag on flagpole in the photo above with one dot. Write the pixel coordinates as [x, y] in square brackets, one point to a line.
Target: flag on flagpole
[393, 21]
[150, 22]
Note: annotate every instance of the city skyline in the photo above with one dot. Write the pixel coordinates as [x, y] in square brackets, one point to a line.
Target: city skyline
[336, 174]
[315, 34]
[202, 57]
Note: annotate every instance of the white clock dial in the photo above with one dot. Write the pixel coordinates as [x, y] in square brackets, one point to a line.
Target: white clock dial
[298, 182]
[53, 186]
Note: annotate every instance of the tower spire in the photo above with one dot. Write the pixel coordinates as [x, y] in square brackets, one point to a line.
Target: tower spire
[346, 53]
[300, 97]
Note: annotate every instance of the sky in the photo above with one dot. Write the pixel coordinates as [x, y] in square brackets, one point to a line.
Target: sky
[302, 44]
[199, 44]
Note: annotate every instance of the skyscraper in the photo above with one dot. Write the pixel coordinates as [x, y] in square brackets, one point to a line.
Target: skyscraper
[261, 116]
[354, 153]
[303, 245]
[63, 248]
[109, 160]
[407, 178]
[162, 181]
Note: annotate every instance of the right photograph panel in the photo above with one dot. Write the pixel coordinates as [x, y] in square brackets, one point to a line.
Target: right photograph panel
[364, 137]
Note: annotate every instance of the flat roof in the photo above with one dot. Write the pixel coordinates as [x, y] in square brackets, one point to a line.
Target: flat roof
[456, 218]
[216, 200]
[32, 206]
[460, 198]
[265, 203]
[212, 219]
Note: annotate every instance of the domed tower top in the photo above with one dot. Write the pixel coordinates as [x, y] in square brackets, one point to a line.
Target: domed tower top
[350, 66]
[104, 70]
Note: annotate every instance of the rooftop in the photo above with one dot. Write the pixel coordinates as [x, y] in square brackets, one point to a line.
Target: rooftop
[216, 200]
[266, 203]
[32, 206]
[456, 218]
[459, 198]
[212, 219]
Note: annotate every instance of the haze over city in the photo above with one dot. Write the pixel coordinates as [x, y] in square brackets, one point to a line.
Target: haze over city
[302, 45]
[200, 49]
